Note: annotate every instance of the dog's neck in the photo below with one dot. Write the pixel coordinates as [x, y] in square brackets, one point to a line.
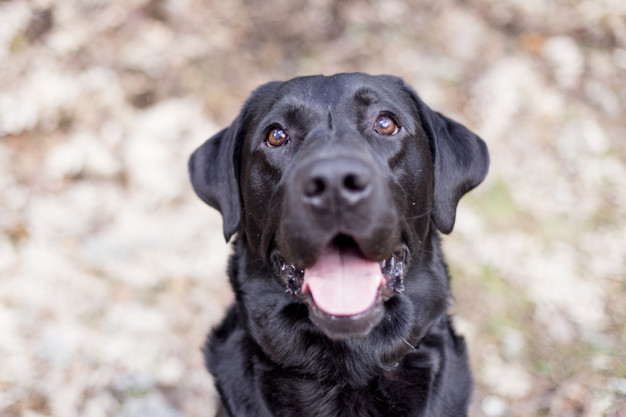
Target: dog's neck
[358, 388]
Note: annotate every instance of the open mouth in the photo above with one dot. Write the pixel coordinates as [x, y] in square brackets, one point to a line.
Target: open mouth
[344, 290]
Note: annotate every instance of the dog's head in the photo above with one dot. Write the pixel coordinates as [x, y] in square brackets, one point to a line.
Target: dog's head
[336, 183]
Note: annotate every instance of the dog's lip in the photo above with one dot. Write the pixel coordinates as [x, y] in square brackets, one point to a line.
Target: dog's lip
[354, 326]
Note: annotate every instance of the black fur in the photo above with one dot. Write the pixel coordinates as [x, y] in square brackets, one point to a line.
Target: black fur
[270, 356]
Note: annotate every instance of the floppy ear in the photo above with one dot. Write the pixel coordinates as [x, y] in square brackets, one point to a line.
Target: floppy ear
[214, 166]
[461, 162]
[214, 172]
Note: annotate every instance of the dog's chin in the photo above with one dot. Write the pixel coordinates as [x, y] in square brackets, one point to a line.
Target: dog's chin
[344, 291]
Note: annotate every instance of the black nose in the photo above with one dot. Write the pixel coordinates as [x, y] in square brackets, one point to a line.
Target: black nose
[336, 180]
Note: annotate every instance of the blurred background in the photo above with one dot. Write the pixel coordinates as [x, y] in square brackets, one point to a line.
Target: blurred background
[112, 271]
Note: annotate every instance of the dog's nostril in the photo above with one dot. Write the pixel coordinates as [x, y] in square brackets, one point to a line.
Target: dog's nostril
[314, 187]
[353, 182]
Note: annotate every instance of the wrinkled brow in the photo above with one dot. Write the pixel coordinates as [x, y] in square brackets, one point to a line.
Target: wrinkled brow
[365, 96]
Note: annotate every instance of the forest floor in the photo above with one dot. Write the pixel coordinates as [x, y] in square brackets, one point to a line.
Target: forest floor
[112, 271]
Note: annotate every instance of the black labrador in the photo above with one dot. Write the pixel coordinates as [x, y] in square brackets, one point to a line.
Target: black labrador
[337, 187]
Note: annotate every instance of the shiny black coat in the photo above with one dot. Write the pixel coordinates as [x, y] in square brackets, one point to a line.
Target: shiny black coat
[270, 356]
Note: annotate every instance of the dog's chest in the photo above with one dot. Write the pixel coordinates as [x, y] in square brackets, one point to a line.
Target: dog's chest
[306, 397]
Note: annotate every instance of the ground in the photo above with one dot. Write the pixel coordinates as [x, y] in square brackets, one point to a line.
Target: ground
[112, 271]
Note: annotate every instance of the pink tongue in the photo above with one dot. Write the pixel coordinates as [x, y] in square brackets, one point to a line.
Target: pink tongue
[343, 283]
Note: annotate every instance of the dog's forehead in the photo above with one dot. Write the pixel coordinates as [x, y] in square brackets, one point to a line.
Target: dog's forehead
[330, 92]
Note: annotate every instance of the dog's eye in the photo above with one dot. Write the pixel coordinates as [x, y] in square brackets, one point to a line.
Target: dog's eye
[385, 125]
[277, 137]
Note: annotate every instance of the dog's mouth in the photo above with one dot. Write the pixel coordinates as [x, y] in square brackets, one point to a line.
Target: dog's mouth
[344, 290]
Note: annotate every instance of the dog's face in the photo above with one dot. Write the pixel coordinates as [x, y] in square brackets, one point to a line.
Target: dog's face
[335, 183]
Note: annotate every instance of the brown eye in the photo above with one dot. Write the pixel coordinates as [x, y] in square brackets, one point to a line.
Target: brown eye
[385, 125]
[277, 137]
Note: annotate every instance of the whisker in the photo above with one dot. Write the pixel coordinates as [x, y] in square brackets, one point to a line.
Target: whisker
[425, 251]
[405, 341]
[419, 216]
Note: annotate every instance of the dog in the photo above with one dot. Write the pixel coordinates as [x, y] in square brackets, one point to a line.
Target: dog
[337, 188]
